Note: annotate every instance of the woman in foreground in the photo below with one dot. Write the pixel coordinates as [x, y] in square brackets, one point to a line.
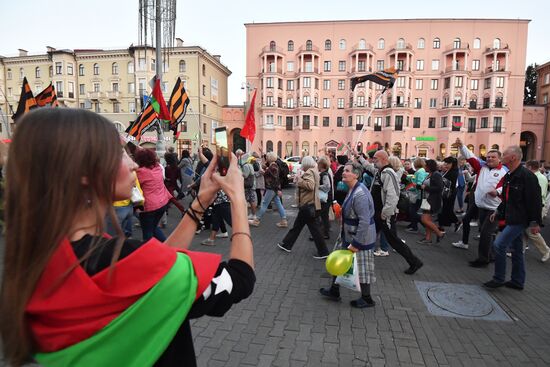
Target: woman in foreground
[74, 297]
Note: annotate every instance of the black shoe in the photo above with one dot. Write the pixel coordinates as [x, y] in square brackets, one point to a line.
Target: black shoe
[282, 247]
[513, 285]
[363, 302]
[414, 268]
[330, 293]
[492, 284]
[478, 264]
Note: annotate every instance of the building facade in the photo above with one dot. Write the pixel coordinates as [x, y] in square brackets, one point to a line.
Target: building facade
[543, 99]
[457, 78]
[114, 82]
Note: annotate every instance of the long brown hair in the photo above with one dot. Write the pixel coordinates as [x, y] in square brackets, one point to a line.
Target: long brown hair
[53, 149]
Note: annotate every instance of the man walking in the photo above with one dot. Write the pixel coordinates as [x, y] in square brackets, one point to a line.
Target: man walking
[538, 240]
[521, 209]
[488, 175]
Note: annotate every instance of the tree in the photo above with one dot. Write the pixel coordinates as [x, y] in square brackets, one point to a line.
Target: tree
[530, 90]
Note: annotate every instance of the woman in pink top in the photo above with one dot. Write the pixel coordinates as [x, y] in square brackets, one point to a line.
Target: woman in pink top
[151, 179]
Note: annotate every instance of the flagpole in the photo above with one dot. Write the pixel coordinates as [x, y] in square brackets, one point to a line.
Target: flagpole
[367, 119]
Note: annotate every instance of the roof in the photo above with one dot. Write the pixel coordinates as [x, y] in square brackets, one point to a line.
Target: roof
[391, 20]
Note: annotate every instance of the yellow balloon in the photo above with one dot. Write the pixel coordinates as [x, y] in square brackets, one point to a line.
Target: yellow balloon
[339, 262]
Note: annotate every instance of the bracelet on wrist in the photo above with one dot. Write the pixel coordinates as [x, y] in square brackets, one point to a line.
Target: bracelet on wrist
[200, 204]
[241, 233]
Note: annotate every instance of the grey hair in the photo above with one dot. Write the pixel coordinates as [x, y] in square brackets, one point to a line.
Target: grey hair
[271, 157]
[308, 162]
[395, 162]
[516, 150]
[239, 151]
[356, 168]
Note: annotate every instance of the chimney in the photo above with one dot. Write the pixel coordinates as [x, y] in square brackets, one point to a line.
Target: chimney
[23, 52]
[179, 42]
[50, 48]
[217, 57]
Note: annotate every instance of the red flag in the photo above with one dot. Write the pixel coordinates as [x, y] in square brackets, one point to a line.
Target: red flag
[249, 128]
[158, 102]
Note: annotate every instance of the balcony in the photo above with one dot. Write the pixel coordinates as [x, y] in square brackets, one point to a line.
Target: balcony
[113, 95]
[407, 47]
[455, 68]
[503, 48]
[272, 50]
[313, 70]
[312, 50]
[460, 46]
[377, 128]
[95, 95]
[500, 69]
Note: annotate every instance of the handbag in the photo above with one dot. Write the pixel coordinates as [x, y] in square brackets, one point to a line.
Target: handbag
[323, 196]
[137, 197]
[350, 279]
[425, 205]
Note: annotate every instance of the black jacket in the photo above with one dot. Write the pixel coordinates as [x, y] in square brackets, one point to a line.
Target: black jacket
[434, 191]
[521, 198]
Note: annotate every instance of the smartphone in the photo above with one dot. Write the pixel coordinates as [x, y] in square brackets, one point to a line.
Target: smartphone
[222, 149]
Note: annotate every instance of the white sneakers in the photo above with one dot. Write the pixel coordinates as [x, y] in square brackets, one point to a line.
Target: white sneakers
[460, 244]
[222, 235]
[545, 257]
[381, 253]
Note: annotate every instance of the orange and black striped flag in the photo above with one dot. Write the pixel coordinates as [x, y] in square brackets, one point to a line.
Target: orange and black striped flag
[47, 96]
[179, 100]
[145, 120]
[385, 78]
[26, 101]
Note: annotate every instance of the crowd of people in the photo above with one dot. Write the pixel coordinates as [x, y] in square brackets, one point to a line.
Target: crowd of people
[73, 261]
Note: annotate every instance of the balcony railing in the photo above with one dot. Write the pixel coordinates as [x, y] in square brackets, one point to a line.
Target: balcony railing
[95, 95]
[113, 95]
[455, 68]
[491, 69]
[377, 128]
[462, 46]
[273, 49]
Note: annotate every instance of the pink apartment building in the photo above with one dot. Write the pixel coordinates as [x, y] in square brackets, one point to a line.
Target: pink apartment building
[457, 78]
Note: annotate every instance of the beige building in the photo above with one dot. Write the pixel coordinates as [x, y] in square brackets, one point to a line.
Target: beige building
[113, 83]
[543, 99]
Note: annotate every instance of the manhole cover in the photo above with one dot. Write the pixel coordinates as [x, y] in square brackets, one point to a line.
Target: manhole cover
[460, 301]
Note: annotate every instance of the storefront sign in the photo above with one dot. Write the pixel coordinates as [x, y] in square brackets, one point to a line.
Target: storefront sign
[424, 138]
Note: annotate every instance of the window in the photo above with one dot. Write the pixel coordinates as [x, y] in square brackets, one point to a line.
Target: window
[182, 66]
[341, 84]
[141, 63]
[456, 123]
[436, 43]
[309, 45]
[290, 85]
[458, 81]
[435, 65]
[326, 66]
[360, 101]
[50, 72]
[326, 121]
[359, 122]
[362, 44]
[132, 88]
[342, 44]
[378, 103]
[70, 69]
[204, 90]
[59, 88]
[496, 43]
[132, 107]
[545, 98]
[204, 109]
[474, 84]
[71, 89]
[116, 107]
[499, 102]
[290, 66]
[350, 121]
[268, 83]
[484, 123]
[289, 103]
[378, 124]
[97, 108]
[96, 69]
[269, 101]
[416, 122]
[486, 102]
[326, 102]
[97, 87]
[500, 82]
[341, 65]
[290, 45]
[446, 101]
[381, 44]
[399, 65]
[433, 102]
[456, 43]
[475, 65]
[497, 124]
[326, 84]
[487, 83]
[328, 45]
[361, 66]
[272, 46]
[431, 123]
[58, 68]
[400, 44]
[434, 84]
[308, 67]
[340, 103]
[419, 64]
[473, 104]
[114, 87]
[380, 65]
[307, 82]
[307, 101]
[82, 89]
[9, 74]
[305, 122]
[419, 84]
[81, 70]
[472, 121]
[131, 68]
[203, 70]
[418, 103]
[114, 68]
[421, 43]
[547, 78]
[401, 82]
[37, 72]
[444, 121]
[388, 121]
[477, 43]
[447, 83]
[339, 121]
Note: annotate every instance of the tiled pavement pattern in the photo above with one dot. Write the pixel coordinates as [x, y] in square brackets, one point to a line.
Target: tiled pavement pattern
[286, 322]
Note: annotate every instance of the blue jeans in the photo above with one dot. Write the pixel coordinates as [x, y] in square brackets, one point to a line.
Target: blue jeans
[460, 196]
[149, 224]
[510, 237]
[268, 196]
[125, 215]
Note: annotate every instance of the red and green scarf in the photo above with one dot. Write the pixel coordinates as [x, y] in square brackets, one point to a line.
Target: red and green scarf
[128, 318]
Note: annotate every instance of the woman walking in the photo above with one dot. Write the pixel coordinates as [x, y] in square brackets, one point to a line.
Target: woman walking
[432, 187]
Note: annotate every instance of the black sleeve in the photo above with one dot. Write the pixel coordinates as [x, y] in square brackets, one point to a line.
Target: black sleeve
[436, 183]
[233, 282]
[533, 198]
[452, 176]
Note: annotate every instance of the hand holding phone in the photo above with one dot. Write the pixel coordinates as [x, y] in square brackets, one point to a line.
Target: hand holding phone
[222, 149]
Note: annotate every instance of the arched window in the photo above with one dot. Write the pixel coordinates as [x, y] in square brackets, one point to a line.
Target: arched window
[494, 146]
[315, 149]
[272, 46]
[130, 67]
[21, 73]
[342, 44]
[280, 148]
[400, 44]
[482, 150]
[182, 66]
[81, 70]
[114, 68]
[436, 43]
[290, 45]
[37, 72]
[456, 43]
[269, 146]
[421, 43]
[203, 70]
[96, 69]
[381, 44]
[362, 44]
[305, 148]
[471, 148]
[328, 45]
[442, 149]
[288, 149]
[477, 43]
[309, 45]
[50, 72]
[397, 148]
[496, 43]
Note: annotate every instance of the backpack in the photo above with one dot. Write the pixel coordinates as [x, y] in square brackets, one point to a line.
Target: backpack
[256, 166]
[249, 180]
[283, 171]
[446, 193]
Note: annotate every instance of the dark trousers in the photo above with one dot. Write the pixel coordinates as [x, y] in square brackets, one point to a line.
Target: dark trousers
[306, 216]
[413, 214]
[488, 229]
[323, 219]
[395, 242]
[467, 218]
[149, 224]
[221, 213]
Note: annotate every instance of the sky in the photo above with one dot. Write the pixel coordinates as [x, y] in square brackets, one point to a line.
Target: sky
[218, 26]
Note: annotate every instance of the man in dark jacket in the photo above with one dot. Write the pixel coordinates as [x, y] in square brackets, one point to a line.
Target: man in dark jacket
[520, 208]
